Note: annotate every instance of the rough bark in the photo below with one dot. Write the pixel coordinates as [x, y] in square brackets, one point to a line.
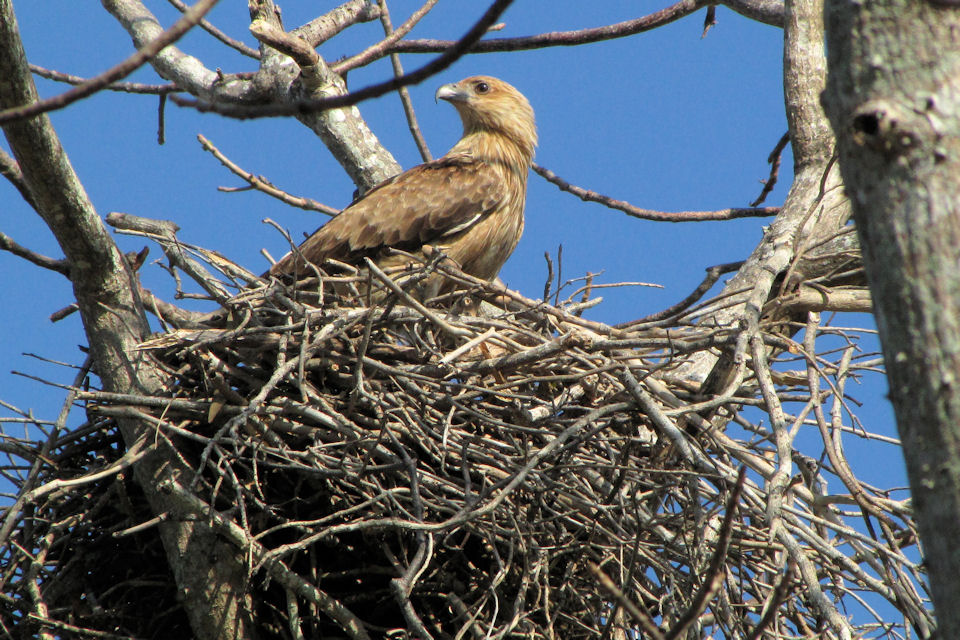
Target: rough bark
[344, 131]
[894, 101]
[814, 211]
[209, 573]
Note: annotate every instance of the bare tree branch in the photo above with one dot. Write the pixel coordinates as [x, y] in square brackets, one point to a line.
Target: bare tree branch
[398, 72]
[343, 131]
[377, 51]
[10, 170]
[261, 184]
[207, 26]
[321, 29]
[126, 87]
[768, 11]
[774, 161]
[60, 266]
[647, 214]
[122, 70]
[114, 321]
[447, 58]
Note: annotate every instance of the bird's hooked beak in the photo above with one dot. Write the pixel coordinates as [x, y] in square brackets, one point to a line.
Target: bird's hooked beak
[452, 92]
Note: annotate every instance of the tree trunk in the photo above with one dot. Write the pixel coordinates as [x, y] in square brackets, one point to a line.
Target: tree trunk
[210, 574]
[893, 97]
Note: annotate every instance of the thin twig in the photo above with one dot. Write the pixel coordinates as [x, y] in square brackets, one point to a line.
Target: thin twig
[398, 72]
[122, 70]
[207, 26]
[774, 161]
[438, 64]
[648, 214]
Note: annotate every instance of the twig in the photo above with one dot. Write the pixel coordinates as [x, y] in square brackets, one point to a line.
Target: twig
[261, 184]
[648, 214]
[398, 72]
[716, 570]
[10, 169]
[124, 87]
[434, 67]
[125, 68]
[642, 617]
[378, 50]
[710, 20]
[774, 161]
[207, 26]
[710, 279]
[351, 12]
[60, 266]
[768, 12]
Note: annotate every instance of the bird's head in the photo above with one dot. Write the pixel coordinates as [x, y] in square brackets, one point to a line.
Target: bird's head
[487, 104]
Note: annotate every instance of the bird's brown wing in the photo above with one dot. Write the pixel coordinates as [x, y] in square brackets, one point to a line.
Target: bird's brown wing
[414, 208]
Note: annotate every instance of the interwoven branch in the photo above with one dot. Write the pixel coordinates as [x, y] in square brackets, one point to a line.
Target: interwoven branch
[522, 471]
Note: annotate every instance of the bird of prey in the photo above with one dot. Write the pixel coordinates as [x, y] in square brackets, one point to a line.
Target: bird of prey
[467, 204]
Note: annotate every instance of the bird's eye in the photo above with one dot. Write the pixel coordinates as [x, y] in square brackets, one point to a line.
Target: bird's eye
[482, 87]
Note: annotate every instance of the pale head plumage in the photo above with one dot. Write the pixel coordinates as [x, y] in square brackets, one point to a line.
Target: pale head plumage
[491, 107]
[468, 204]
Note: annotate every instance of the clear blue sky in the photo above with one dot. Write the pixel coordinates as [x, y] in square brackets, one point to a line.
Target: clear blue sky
[665, 120]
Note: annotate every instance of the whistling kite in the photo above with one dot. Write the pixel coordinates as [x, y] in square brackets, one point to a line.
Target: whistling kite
[468, 204]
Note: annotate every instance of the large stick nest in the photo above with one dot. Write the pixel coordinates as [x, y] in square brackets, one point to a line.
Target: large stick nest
[511, 470]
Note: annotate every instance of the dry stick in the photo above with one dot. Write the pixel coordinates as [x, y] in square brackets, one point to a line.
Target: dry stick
[398, 72]
[26, 486]
[496, 289]
[122, 70]
[566, 38]
[716, 570]
[124, 87]
[378, 50]
[648, 214]
[642, 617]
[694, 457]
[710, 20]
[324, 27]
[278, 571]
[60, 266]
[261, 184]
[779, 483]
[413, 302]
[811, 579]
[777, 597]
[713, 274]
[164, 232]
[774, 161]
[207, 26]
[433, 67]
[10, 169]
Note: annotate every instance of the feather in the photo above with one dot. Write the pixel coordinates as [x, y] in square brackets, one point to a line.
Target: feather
[468, 204]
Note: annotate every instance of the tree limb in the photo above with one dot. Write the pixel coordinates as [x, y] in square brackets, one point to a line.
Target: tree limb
[122, 70]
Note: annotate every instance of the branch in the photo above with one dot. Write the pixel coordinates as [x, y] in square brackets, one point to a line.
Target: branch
[261, 184]
[302, 107]
[774, 161]
[647, 214]
[122, 70]
[321, 29]
[126, 87]
[766, 11]
[207, 26]
[717, 569]
[60, 266]
[398, 72]
[378, 50]
[286, 43]
[10, 170]
[713, 274]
